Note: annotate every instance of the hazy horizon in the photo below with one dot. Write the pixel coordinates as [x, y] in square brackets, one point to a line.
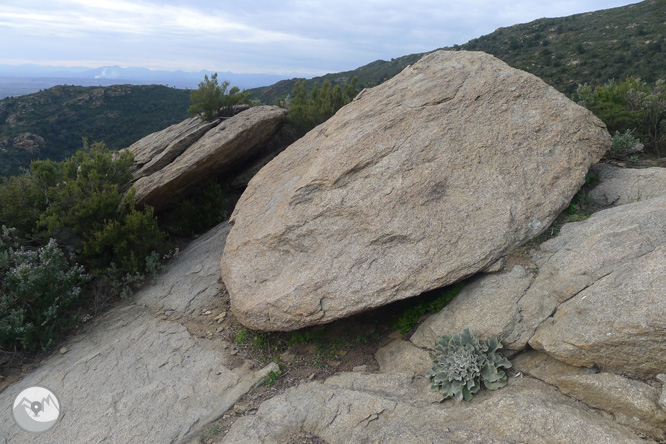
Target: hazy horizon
[296, 38]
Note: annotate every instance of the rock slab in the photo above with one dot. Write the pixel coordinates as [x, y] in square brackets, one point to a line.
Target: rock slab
[596, 300]
[418, 183]
[621, 186]
[159, 149]
[398, 408]
[224, 146]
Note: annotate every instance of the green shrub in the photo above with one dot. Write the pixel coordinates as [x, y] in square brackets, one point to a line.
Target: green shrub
[624, 144]
[38, 289]
[126, 242]
[212, 100]
[86, 190]
[22, 202]
[197, 213]
[83, 203]
[461, 362]
[632, 106]
[307, 110]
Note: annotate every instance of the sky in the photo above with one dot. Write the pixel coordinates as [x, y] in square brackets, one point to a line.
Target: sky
[287, 37]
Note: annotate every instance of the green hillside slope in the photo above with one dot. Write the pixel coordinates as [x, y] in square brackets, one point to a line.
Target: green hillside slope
[368, 75]
[50, 124]
[592, 47]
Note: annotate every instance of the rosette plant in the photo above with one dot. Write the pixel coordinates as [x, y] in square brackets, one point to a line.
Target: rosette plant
[461, 362]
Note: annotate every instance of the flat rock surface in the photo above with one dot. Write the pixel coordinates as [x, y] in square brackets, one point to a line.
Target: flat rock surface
[401, 409]
[418, 183]
[620, 186]
[193, 280]
[135, 376]
[220, 149]
[631, 402]
[616, 322]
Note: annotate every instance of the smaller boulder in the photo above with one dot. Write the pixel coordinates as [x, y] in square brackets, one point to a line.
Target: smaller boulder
[176, 169]
[621, 186]
[157, 150]
[487, 305]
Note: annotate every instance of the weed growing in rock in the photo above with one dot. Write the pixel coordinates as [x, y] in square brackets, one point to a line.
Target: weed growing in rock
[273, 376]
[242, 337]
[209, 433]
[462, 362]
[410, 317]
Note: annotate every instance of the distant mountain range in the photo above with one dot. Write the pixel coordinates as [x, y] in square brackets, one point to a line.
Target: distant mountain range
[25, 79]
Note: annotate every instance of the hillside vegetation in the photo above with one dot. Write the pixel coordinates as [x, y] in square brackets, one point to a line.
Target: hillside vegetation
[593, 47]
[51, 124]
[585, 48]
[367, 76]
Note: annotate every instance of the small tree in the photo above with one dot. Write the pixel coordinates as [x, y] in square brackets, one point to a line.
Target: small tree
[212, 100]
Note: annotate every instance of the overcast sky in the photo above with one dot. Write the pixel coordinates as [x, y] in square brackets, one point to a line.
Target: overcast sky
[305, 37]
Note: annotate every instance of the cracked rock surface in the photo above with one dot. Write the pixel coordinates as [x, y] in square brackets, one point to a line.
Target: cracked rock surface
[620, 186]
[136, 376]
[418, 183]
[596, 299]
[399, 408]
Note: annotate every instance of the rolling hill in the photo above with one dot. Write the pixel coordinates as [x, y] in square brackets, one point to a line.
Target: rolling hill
[51, 124]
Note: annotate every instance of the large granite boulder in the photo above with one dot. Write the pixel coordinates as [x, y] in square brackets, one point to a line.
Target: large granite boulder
[418, 183]
[183, 160]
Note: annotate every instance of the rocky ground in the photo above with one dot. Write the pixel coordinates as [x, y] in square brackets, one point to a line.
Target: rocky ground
[580, 309]
[178, 345]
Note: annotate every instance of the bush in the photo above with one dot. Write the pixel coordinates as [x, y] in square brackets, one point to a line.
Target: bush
[38, 289]
[83, 203]
[632, 105]
[21, 203]
[123, 244]
[307, 110]
[197, 213]
[624, 145]
[212, 100]
[462, 362]
[84, 191]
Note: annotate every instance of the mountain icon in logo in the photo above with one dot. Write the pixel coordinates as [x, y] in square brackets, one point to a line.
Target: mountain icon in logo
[36, 409]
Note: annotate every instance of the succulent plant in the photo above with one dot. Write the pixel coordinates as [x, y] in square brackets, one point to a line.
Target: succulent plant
[462, 362]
